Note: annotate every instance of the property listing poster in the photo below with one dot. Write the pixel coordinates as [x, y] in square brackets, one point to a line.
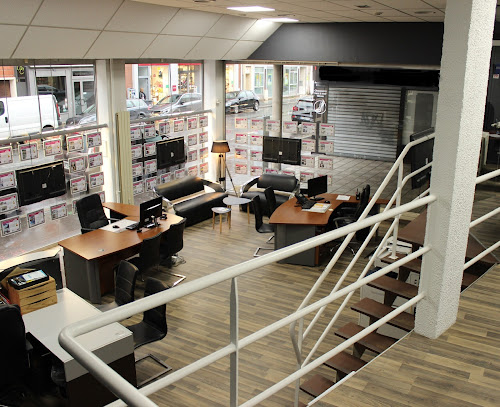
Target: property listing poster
[149, 131]
[164, 178]
[325, 147]
[136, 152]
[51, 147]
[8, 203]
[256, 140]
[193, 170]
[137, 170]
[137, 187]
[102, 196]
[94, 139]
[307, 145]
[78, 184]
[271, 171]
[150, 183]
[326, 129]
[308, 128]
[257, 124]
[256, 170]
[135, 133]
[74, 143]
[325, 163]
[289, 127]
[10, 226]
[192, 123]
[203, 152]
[35, 218]
[58, 211]
[203, 168]
[273, 125]
[180, 173]
[149, 149]
[28, 151]
[307, 160]
[203, 121]
[7, 180]
[6, 155]
[178, 125]
[241, 168]
[288, 172]
[95, 160]
[164, 127]
[305, 176]
[77, 164]
[256, 155]
[192, 155]
[241, 138]
[192, 139]
[203, 137]
[150, 166]
[241, 123]
[96, 179]
[73, 206]
[241, 153]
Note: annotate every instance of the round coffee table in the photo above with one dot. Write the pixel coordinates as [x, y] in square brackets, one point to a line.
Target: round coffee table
[234, 200]
[221, 210]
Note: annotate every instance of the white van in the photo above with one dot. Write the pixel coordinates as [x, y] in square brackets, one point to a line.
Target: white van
[28, 114]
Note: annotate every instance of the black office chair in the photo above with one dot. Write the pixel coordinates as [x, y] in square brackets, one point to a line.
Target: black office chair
[152, 328]
[171, 244]
[270, 199]
[260, 226]
[91, 213]
[149, 255]
[125, 278]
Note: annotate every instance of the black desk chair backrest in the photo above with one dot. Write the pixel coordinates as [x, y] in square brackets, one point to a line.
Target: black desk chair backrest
[260, 226]
[173, 239]
[363, 202]
[149, 254]
[15, 360]
[91, 213]
[271, 199]
[125, 279]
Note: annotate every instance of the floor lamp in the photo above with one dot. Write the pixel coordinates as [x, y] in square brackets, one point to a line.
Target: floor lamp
[221, 148]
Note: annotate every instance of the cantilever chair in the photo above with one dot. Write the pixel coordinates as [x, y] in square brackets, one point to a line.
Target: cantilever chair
[271, 204]
[260, 226]
[171, 244]
[149, 255]
[152, 328]
[91, 213]
[126, 276]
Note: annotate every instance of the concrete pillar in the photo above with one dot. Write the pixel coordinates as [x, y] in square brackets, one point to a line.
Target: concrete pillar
[277, 92]
[468, 31]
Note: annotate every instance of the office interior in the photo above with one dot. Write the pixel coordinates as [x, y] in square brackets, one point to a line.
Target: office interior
[198, 49]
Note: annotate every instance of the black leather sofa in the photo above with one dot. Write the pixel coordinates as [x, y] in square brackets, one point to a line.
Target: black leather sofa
[198, 204]
[284, 186]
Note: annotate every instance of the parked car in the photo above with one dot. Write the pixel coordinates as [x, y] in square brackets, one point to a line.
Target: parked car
[138, 109]
[243, 99]
[303, 111]
[178, 103]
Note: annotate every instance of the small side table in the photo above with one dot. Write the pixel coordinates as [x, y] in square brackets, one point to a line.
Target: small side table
[233, 200]
[221, 210]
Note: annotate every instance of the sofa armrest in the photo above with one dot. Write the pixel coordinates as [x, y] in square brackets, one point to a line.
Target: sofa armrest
[247, 185]
[214, 185]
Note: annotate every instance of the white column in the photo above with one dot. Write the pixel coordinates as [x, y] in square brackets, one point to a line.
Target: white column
[277, 91]
[468, 31]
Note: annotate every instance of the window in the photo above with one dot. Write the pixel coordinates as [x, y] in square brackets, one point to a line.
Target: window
[2, 109]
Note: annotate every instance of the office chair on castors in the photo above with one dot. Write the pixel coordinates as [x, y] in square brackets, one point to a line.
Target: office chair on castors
[152, 328]
[260, 226]
[91, 213]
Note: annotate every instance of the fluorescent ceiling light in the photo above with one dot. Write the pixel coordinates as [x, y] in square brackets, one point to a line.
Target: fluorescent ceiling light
[281, 20]
[251, 9]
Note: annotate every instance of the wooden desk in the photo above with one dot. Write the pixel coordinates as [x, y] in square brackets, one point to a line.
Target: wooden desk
[89, 258]
[293, 225]
[414, 233]
[114, 344]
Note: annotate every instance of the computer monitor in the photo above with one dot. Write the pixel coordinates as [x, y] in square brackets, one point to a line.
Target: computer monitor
[149, 212]
[316, 186]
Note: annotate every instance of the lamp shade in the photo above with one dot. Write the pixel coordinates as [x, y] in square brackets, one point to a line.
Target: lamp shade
[220, 146]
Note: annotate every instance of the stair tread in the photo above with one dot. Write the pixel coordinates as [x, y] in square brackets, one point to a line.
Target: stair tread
[345, 363]
[373, 341]
[316, 385]
[414, 265]
[468, 279]
[397, 287]
[375, 309]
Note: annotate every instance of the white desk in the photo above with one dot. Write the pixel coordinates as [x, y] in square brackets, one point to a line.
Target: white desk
[111, 343]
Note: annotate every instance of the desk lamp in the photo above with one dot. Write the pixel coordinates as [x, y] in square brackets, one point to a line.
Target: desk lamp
[222, 147]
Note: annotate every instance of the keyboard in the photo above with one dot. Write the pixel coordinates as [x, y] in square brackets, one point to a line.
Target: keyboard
[308, 205]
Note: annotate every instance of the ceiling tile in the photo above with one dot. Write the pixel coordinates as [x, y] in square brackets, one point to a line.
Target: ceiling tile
[10, 34]
[434, 19]
[137, 17]
[437, 3]
[242, 50]
[191, 22]
[405, 19]
[230, 27]
[49, 43]
[403, 4]
[386, 13]
[92, 14]
[210, 48]
[120, 45]
[260, 31]
[359, 4]
[170, 46]
[18, 12]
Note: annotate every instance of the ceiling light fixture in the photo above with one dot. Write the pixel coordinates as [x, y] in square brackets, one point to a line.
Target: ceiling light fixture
[281, 20]
[250, 9]
[203, 1]
[421, 12]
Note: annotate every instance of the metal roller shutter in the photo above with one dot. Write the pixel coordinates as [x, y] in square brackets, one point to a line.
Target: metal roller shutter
[366, 121]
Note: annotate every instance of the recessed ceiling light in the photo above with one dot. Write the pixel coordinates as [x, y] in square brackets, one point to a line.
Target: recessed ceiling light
[281, 20]
[363, 6]
[251, 9]
[203, 1]
[421, 12]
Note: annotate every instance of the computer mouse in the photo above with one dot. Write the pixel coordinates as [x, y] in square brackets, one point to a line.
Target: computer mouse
[116, 227]
[327, 201]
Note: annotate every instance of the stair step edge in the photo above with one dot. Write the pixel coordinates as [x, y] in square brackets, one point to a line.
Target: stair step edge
[375, 342]
[400, 288]
[375, 309]
[316, 385]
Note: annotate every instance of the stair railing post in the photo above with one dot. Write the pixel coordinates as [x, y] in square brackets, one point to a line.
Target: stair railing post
[398, 203]
[234, 321]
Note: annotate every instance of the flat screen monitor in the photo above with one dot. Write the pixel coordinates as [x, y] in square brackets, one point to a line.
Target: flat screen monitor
[271, 149]
[281, 150]
[149, 212]
[42, 182]
[421, 155]
[170, 152]
[317, 186]
[291, 150]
